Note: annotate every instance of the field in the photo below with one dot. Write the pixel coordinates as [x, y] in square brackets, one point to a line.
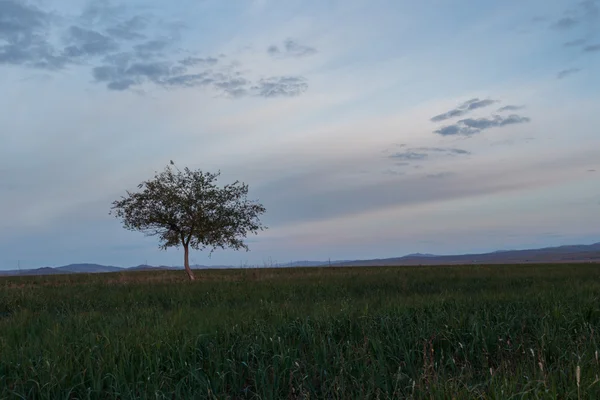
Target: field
[496, 332]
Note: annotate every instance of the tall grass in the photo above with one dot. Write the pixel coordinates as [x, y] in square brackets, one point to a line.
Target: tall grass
[406, 332]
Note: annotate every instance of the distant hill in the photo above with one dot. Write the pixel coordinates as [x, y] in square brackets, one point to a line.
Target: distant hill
[572, 253]
[87, 268]
[38, 271]
[143, 267]
[576, 253]
[307, 263]
[76, 269]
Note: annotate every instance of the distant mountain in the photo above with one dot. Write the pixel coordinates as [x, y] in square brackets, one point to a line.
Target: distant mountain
[38, 271]
[143, 267]
[571, 253]
[87, 268]
[306, 263]
[75, 269]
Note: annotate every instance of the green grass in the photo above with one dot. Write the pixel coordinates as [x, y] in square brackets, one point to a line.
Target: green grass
[494, 332]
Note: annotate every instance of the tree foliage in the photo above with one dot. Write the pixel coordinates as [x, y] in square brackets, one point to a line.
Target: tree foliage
[187, 208]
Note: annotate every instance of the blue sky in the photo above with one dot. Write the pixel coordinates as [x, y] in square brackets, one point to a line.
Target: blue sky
[366, 128]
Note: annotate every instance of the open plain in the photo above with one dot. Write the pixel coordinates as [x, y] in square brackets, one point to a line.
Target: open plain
[497, 332]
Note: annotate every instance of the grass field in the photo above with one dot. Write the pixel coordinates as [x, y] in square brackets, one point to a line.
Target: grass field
[495, 332]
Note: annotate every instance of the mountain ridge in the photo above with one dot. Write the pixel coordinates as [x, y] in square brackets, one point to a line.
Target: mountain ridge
[564, 253]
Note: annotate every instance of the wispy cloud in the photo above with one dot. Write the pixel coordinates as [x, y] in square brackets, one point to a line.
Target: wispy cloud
[193, 61]
[131, 29]
[496, 121]
[449, 151]
[463, 109]
[315, 199]
[423, 153]
[151, 48]
[440, 175]
[510, 108]
[85, 42]
[567, 72]
[102, 12]
[23, 37]
[409, 156]
[565, 23]
[472, 126]
[592, 48]
[394, 172]
[123, 55]
[575, 43]
[291, 48]
[584, 12]
[285, 86]
[583, 18]
[456, 130]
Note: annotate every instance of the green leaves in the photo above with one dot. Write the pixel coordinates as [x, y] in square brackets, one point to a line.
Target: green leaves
[188, 208]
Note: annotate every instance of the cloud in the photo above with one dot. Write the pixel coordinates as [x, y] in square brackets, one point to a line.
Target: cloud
[317, 196]
[592, 48]
[129, 30]
[85, 42]
[409, 156]
[123, 75]
[510, 108]
[393, 172]
[496, 121]
[19, 19]
[193, 61]
[233, 86]
[298, 50]
[188, 80]
[151, 48]
[590, 8]
[587, 11]
[23, 32]
[574, 43]
[124, 55]
[282, 86]
[423, 153]
[126, 70]
[449, 151]
[146, 62]
[565, 23]
[291, 48]
[463, 109]
[150, 62]
[471, 126]
[102, 12]
[440, 175]
[566, 72]
[452, 130]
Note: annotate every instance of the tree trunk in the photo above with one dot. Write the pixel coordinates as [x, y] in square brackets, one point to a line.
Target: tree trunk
[186, 263]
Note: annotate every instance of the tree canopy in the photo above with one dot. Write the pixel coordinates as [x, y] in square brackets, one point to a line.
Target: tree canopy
[187, 208]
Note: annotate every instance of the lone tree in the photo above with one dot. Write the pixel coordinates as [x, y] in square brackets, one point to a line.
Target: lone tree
[186, 208]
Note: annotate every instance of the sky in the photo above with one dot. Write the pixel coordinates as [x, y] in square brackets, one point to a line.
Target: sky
[367, 128]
